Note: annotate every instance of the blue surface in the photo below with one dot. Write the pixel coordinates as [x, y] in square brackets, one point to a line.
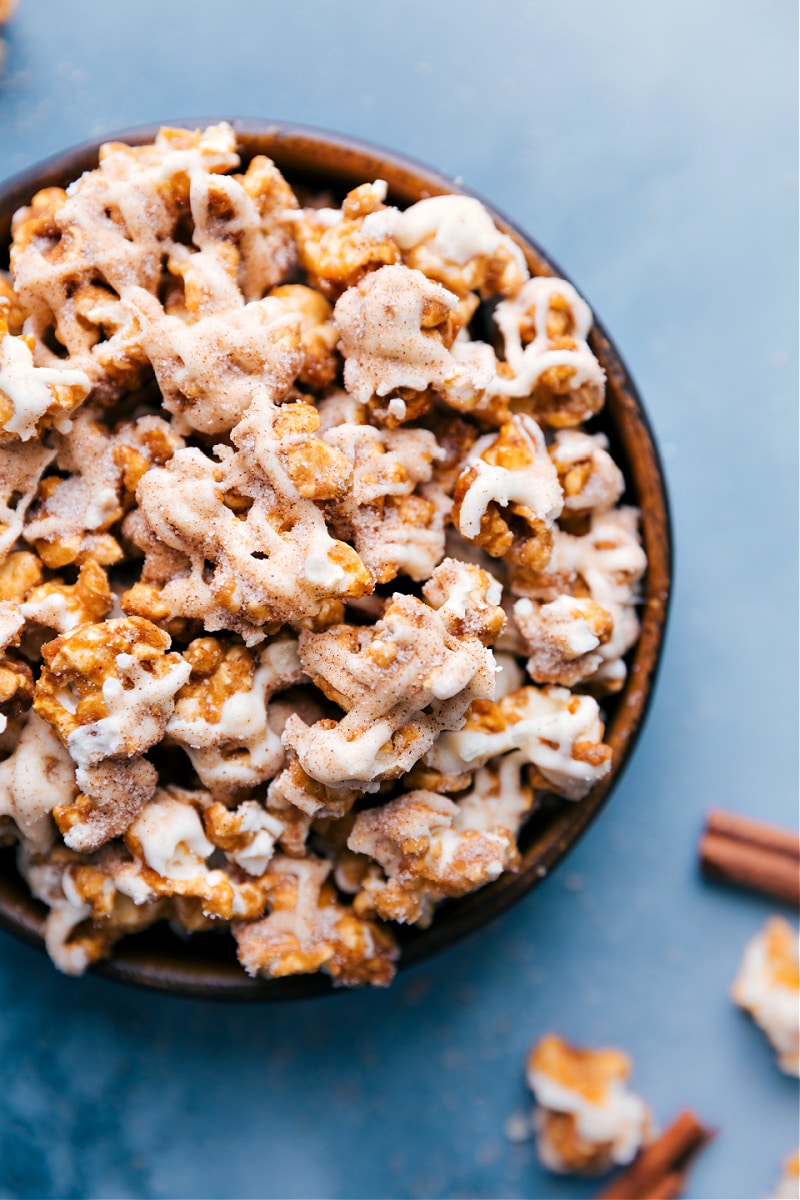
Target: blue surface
[651, 148]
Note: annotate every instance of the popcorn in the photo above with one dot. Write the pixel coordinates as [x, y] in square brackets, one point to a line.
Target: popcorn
[399, 682]
[221, 715]
[11, 309]
[604, 565]
[590, 479]
[108, 691]
[64, 606]
[21, 468]
[333, 247]
[211, 371]
[170, 847]
[789, 1184]
[559, 733]
[87, 914]
[31, 396]
[74, 514]
[768, 987]
[307, 930]
[547, 359]
[37, 777]
[245, 572]
[453, 240]
[318, 334]
[509, 470]
[467, 600]
[586, 1120]
[564, 638]
[246, 834]
[112, 228]
[227, 424]
[394, 520]
[428, 850]
[397, 332]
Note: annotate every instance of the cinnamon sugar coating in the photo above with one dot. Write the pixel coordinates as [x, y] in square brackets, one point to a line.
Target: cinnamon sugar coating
[267, 509]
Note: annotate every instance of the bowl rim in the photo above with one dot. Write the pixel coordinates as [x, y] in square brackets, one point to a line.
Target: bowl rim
[158, 968]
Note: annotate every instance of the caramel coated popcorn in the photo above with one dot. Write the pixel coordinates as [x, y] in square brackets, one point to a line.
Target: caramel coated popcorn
[586, 1119]
[307, 594]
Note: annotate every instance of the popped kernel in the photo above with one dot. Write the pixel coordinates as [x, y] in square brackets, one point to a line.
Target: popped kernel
[586, 1119]
[427, 850]
[767, 986]
[548, 362]
[309, 930]
[509, 471]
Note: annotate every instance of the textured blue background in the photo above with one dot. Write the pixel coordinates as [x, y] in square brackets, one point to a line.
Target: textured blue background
[652, 149]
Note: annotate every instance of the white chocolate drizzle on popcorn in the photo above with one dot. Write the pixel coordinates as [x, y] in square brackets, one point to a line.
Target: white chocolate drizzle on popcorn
[767, 986]
[267, 509]
[586, 1120]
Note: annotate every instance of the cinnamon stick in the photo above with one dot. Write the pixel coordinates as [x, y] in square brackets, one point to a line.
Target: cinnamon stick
[757, 833]
[752, 854]
[658, 1172]
[670, 1187]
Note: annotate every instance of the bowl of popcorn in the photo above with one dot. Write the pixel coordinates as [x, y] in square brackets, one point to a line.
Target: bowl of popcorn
[334, 561]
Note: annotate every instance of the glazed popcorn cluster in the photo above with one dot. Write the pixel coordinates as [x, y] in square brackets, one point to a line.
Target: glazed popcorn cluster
[307, 593]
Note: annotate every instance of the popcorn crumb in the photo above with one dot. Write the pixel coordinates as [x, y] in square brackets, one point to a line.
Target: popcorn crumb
[518, 1128]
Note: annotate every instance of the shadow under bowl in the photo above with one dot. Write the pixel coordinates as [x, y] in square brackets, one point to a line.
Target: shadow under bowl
[205, 965]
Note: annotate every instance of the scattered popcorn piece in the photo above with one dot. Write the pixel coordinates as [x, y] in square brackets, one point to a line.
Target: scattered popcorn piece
[547, 359]
[586, 1120]
[308, 930]
[768, 987]
[508, 497]
[559, 733]
[789, 1184]
[400, 682]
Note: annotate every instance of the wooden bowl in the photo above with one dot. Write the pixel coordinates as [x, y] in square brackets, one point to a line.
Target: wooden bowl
[206, 965]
